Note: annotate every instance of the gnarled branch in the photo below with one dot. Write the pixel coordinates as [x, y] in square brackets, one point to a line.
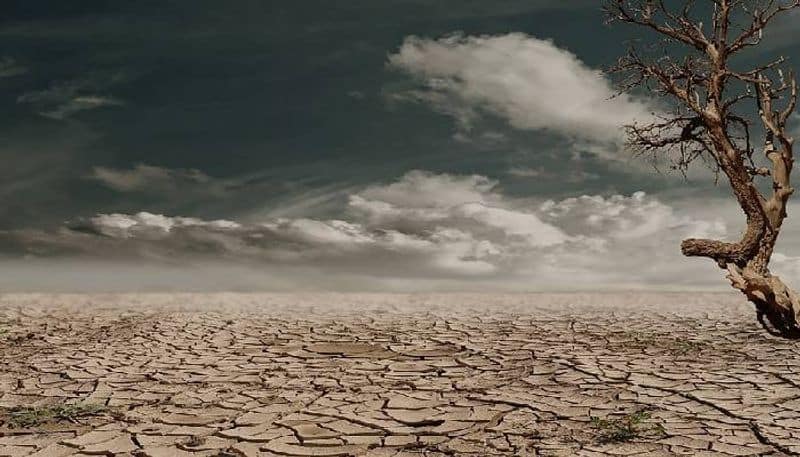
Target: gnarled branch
[709, 122]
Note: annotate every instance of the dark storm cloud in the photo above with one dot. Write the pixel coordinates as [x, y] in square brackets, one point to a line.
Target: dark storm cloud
[237, 88]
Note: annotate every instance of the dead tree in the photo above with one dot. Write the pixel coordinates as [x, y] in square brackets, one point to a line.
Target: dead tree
[717, 112]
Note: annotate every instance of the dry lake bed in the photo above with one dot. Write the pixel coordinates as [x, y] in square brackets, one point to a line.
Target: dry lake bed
[393, 375]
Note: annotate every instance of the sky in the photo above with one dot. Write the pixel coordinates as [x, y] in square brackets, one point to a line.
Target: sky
[360, 145]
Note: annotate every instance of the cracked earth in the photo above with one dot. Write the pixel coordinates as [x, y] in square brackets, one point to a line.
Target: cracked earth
[395, 375]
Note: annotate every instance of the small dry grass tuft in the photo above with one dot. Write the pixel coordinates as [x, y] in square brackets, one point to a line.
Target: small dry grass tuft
[629, 427]
[28, 417]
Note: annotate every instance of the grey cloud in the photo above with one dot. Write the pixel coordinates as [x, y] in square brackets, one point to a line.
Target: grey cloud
[571, 176]
[454, 229]
[64, 99]
[148, 178]
[82, 103]
[9, 67]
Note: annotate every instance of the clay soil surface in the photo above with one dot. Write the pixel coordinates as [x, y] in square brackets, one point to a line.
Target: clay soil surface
[393, 375]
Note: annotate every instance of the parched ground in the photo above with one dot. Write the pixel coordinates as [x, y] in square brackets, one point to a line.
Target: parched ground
[393, 375]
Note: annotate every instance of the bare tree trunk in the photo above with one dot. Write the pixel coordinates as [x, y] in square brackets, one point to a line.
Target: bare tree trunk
[747, 261]
[773, 299]
[709, 121]
[749, 273]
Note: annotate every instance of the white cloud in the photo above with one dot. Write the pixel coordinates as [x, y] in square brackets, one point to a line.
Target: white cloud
[427, 190]
[455, 230]
[621, 218]
[530, 82]
[422, 202]
[149, 225]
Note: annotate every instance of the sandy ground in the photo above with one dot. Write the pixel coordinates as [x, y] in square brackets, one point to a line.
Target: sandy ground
[393, 375]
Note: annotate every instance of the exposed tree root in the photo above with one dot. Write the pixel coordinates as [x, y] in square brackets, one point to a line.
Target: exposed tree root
[777, 305]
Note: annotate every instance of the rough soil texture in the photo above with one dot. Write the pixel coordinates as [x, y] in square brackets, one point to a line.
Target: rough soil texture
[396, 375]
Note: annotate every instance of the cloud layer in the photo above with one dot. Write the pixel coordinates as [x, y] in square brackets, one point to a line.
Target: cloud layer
[423, 229]
[530, 82]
